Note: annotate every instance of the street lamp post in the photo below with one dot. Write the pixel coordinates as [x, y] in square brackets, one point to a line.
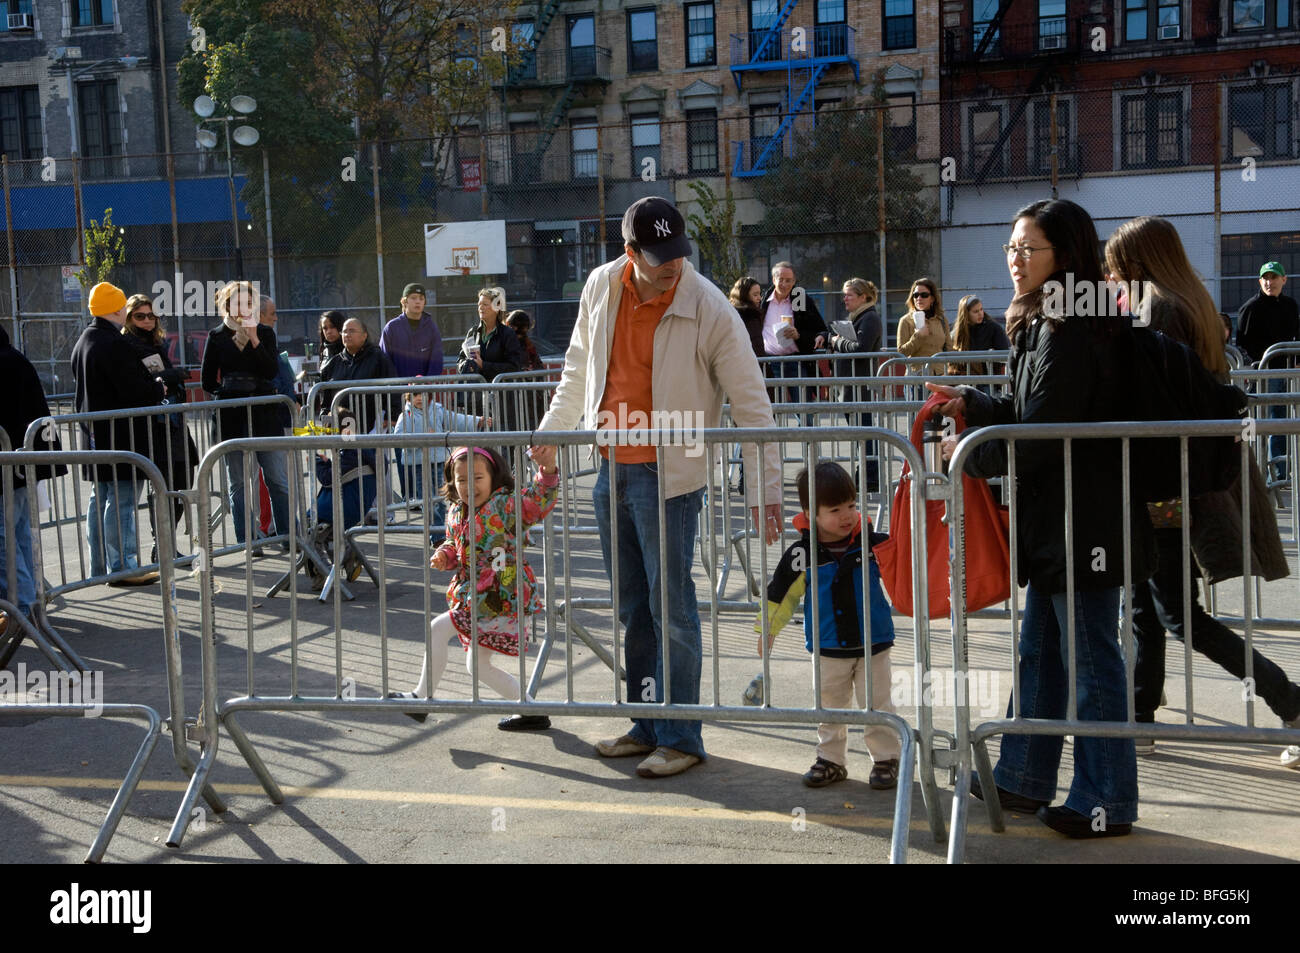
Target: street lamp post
[245, 135]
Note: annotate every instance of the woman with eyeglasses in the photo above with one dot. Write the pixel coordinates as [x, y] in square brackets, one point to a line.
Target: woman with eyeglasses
[923, 330]
[1064, 369]
[174, 450]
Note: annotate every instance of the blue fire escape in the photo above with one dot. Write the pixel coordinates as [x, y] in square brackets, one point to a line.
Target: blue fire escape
[804, 56]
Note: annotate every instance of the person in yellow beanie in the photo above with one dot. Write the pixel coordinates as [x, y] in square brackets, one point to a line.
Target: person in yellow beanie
[108, 376]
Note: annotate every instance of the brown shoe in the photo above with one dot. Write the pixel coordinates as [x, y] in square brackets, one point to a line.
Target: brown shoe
[139, 579]
[622, 747]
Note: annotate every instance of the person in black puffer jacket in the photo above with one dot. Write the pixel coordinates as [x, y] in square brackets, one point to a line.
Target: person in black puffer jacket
[976, 331]
[174, 450]
[1064, 370]
[240, 360]
[360, 360]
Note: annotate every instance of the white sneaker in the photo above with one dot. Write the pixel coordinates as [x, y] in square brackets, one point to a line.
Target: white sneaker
[1291, 757]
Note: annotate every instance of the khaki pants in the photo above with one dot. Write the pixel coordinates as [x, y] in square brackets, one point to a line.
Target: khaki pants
[843, 679]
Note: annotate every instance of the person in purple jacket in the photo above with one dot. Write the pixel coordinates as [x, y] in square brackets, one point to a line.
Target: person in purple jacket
[411, 340]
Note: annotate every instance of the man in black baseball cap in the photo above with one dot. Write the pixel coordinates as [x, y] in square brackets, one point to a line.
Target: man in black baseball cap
[654, 348]
[654, 227]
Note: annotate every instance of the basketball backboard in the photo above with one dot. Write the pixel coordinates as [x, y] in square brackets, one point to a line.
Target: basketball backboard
[465, 248]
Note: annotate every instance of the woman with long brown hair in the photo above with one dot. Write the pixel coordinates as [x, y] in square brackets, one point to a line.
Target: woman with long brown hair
[927, 335]
[975, 331]
[747, 298]
[1148, 250]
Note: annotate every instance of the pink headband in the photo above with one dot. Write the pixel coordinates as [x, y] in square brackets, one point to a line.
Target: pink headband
[462, 451]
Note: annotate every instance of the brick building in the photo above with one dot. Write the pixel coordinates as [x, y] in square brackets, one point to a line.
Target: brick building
[1154, 100]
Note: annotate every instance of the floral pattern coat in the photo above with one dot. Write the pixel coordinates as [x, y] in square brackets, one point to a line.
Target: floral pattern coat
[495, 593]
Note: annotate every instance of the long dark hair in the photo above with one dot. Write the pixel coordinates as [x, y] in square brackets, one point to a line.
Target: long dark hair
[502, 478]
[1073, 237]
[336, 319]
[739, 296]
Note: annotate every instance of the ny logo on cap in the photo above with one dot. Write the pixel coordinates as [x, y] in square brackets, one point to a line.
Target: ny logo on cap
[662, 229]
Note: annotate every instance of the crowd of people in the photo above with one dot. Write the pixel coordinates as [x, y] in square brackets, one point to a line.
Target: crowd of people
[654, 337]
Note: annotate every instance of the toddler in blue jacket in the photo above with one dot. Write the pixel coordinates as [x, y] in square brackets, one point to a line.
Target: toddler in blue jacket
[839, 579]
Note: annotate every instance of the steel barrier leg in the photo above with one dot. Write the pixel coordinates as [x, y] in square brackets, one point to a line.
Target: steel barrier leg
[988, 786]
[254, 760]
[129, 783]
[198, 784]
[903, 795]
[929, 789]
[601, 652]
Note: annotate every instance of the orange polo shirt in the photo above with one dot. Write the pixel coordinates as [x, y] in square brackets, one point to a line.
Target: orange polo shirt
[629, 397]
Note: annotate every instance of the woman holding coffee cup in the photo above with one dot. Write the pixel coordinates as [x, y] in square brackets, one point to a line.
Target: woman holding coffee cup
[491, 347]
[923, 330]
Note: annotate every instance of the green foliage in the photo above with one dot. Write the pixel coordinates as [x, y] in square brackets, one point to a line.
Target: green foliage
[713, 228]
[105, 250]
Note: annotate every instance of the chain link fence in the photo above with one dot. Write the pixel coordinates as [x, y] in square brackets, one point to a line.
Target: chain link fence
[898, 190]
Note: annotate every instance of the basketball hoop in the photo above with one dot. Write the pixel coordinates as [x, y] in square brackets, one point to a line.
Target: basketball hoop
[464, 272]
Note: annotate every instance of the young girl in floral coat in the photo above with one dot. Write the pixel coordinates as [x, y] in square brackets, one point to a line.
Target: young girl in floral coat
[496, 594]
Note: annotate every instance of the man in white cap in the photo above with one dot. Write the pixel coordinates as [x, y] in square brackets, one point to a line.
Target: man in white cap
[654, 341]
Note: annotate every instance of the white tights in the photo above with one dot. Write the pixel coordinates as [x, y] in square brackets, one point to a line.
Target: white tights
[444, 630]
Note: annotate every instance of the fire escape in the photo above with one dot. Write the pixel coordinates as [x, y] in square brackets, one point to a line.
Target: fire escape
[804, 56]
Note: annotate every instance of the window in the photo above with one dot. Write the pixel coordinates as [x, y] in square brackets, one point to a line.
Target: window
[1261, 122]
[982, 14]
[466, 45]
[1242, 256]
[1051, 24]
[700, 44]
[642, 43]
[92, 12]
[521, 36]
[1041, 159]
[900, 124]
[764, 121]
[469, 159]
[525, 163]
[1147, 20]
[900, 25]
[582, 46]
[584, 149]
[762, 17]
[1152, 127]
[101, 125]
[12, 6]
[645, 145]
[985, 130]
[20, 122]
[1249, 15]
[702, 140]
[831, 33]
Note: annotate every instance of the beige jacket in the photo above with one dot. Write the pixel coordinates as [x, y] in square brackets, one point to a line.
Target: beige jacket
[701, 351]
[923, 342]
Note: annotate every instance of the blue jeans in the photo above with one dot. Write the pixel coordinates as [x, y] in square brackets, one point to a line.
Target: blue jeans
[110, 526]
[640, 599]
[1277, 442]
[26, 596]
[275, 470]
[1105, 769]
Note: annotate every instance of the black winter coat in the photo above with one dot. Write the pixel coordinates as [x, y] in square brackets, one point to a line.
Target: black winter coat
[500, 355]
[807, 321]
[174, 450]
[985, 336]
[870, 331]
[1264, 321]
[25, 402]
[108, 376]
[1064, 372]
[368, 364]
[222, 358]
[752, 318]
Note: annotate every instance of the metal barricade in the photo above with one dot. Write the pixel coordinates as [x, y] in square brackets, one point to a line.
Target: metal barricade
[174, 434]
[69, 684]
[972, 738]
[563, 583]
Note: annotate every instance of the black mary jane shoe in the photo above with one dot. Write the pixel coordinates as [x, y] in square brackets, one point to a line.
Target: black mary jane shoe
[1074, 825]
[524, 723]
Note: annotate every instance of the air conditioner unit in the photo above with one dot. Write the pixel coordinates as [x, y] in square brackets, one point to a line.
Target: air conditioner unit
[20, 23]
[1170, 32]
[1054, 42]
